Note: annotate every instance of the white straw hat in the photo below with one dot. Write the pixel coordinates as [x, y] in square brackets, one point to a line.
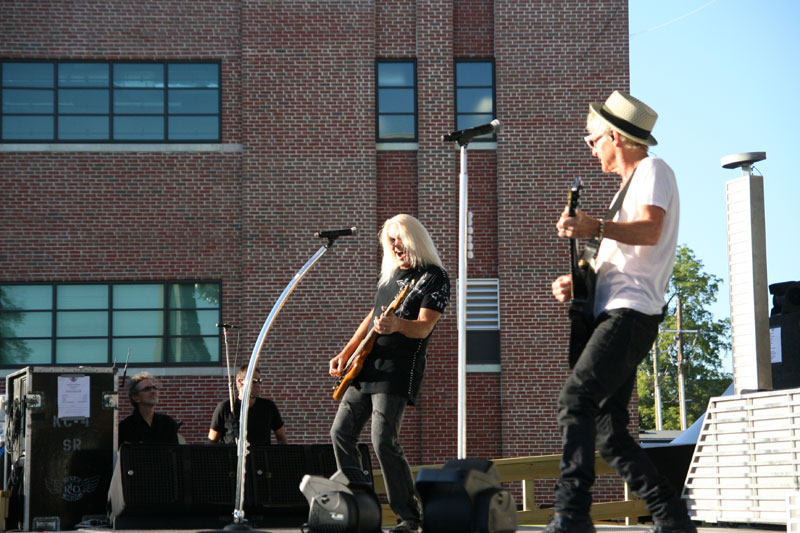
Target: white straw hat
[631, 117]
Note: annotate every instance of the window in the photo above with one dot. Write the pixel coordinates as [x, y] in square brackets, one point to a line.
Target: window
[475, 95]
[109, 102]
[396, 101]
[159, 323]
[483, 321]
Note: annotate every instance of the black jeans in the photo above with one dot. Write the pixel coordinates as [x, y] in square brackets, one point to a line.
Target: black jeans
[386, 411]
[593, 410]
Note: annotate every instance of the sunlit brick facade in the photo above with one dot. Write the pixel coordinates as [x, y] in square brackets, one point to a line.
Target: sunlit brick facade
[298, 153]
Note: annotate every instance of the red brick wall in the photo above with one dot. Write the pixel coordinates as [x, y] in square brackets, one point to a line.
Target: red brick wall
[298, 97]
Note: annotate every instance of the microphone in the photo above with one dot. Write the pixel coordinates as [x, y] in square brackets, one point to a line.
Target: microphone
[334, 233]
[464, 136]
[227, 326]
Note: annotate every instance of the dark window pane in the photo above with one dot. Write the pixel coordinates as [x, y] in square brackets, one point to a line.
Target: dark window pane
[83, 75]
[82, 351]
[186, 102]
[396, 127]
[474, 73]
[193, 349]
[27, 74]
[189, 295]
[138, 296]
[193, 75]
[27, 128]
[395, 100]
[25, 352]
[139, 101]
[26, 323]
[143, 350]
[82, 297]
[483, 347]
[26, 297]
[193, 128]
[83, 101]
[139, 128]
[140, 75]
[78, 127]
[474, 100]
[138, 323]
[396, 74]
[469, 121]
[27, 101]
[82, 324]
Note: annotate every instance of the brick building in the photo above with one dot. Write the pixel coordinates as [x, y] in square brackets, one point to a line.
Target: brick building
[187, 151]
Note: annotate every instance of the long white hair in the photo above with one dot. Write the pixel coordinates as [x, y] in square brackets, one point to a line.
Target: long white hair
[419, 247]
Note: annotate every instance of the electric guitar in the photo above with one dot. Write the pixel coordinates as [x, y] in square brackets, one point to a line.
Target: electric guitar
[356, 361]
[581, 312]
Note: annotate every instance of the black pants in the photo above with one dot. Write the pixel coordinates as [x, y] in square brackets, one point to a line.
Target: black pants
[593, 410]
[386, 411]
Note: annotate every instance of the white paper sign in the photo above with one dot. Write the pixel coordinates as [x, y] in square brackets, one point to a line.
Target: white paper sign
[73, 396]
[775, 353]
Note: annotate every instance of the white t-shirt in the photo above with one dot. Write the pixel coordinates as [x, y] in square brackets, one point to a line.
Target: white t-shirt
[636, 277]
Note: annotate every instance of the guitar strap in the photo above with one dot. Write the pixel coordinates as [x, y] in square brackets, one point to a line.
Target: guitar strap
[593, 246]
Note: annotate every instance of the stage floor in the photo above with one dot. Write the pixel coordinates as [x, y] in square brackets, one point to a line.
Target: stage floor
[743, 528]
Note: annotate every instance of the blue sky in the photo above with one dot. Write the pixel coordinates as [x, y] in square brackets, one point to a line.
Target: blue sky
[724, 77]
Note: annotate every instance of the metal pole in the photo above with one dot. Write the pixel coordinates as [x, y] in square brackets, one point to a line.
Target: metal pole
[462, 306]
[681, 390]
[238, 512]
[656, 387]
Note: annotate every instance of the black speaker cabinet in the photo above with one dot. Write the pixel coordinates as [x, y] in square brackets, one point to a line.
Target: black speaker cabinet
[60, 440]
[786, 332]
[163, 486]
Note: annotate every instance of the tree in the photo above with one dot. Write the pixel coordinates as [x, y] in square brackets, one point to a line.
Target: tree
[702, 351]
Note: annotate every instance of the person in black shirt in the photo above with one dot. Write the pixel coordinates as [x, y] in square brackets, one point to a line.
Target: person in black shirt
[263, 417]
[392, 372]
[144, 425]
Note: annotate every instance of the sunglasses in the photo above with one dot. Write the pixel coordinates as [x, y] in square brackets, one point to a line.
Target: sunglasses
[593, 140]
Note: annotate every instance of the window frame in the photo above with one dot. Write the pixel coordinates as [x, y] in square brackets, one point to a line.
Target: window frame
[111, 115]
[111, 357]
[414, 88]
[456, 87]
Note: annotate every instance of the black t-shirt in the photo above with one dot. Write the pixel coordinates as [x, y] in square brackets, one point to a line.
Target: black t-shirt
[262, 419]
[396, 363]
[134, 429]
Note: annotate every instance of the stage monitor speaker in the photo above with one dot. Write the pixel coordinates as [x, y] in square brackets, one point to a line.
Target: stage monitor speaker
[341, 505]
[466, 496]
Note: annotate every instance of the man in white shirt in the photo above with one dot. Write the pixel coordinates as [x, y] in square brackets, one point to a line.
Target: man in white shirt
[632, 267]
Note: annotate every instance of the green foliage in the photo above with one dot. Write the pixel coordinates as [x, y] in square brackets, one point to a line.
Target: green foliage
[703, 351]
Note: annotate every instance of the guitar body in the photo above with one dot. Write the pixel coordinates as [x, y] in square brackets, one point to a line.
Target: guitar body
[581, 309]
[356, 361]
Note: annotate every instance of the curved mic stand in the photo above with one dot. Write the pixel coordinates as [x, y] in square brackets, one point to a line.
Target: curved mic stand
[238, 512]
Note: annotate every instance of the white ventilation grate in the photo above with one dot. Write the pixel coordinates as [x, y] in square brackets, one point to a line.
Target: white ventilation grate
[483, 304]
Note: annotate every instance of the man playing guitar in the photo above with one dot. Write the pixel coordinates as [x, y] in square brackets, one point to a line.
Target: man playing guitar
[633, 266]
[392, 372]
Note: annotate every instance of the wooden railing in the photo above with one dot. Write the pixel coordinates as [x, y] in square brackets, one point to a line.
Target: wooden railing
[528, 470]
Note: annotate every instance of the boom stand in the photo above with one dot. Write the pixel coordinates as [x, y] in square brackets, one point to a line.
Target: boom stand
[239, 522]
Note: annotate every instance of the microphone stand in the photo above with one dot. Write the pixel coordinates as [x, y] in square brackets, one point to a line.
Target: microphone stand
[461, 298]
[239, 522]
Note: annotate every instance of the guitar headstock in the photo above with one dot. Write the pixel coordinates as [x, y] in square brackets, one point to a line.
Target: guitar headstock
[574, 196]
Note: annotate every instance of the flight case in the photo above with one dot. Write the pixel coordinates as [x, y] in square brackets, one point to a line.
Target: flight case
[61, 435]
